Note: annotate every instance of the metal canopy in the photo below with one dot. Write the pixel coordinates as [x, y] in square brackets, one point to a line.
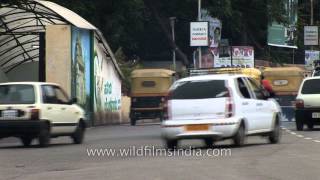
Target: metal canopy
[21, 26]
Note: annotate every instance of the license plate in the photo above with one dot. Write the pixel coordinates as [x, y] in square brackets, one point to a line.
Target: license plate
[197, 127]
[315, 115]
[9, 114]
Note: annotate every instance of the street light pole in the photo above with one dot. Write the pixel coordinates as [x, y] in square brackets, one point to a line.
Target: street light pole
[199, 19]
[172, 22]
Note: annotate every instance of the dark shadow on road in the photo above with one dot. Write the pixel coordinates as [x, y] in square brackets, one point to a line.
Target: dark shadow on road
[20, 146]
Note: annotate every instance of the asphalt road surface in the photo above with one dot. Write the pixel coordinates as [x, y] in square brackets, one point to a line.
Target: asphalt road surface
[297, 157]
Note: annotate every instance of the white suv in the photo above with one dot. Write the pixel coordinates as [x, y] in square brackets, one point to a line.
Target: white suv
[217, 107]
[31, 110]
[307, 103]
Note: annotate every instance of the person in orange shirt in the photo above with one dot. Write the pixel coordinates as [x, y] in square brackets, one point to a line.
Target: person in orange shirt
[267, 86]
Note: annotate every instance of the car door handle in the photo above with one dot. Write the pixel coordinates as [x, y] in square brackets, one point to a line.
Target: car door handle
[245, 103]
[49, 108]
[63, 108]
[259, 104]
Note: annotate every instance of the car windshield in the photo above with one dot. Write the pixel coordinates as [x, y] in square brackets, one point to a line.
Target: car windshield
[316, 73]
[199, 89]
[17, 94]
[311, 86]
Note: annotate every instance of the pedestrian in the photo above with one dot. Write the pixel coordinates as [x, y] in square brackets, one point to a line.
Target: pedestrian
[267, 85]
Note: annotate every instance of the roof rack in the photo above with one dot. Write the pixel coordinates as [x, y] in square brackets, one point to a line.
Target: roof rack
[197, 72]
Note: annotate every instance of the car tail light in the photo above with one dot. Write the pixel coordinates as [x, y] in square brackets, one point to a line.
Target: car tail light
[134, 99]
[35, 114]
[166, 107]
[229, 110]
[299, 103]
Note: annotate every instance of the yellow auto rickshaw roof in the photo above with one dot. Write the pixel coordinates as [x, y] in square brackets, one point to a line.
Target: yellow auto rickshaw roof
[283, 71]
[152, 73]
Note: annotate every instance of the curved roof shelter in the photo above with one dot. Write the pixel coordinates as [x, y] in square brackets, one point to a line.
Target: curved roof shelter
[21, 26]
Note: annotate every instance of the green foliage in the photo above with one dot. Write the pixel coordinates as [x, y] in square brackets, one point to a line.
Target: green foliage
[131, 24]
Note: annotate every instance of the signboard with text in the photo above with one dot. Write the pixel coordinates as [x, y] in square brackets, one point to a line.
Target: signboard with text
[199, 35]
[311, 35]
[310, 57]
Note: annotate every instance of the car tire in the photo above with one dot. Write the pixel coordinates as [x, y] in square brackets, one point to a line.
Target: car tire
[78, 135]
[44, 136]
[208, 142]
[299, 124]
[133, 121]
[171, 144]
[240, 136]
[26, 141]
[275, 134]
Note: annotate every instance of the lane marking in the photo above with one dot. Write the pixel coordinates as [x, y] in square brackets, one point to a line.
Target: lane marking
[293, 133]
[307, 138]
[317, 141]
[299, 135]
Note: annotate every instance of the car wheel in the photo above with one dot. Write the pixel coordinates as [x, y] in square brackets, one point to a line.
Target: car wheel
[78, 135]
[171, 144]
[26, 141]
[44, 137]
[275, 134]
[133, 121]
[208, 142]
[239, 138]
[310, 125]
[299, 124]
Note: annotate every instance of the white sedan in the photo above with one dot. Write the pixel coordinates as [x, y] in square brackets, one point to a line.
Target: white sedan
[217, 107]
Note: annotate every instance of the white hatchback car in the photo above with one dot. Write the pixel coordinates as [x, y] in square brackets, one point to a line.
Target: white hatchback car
[31, 110]
[217, 107]
[307, 103]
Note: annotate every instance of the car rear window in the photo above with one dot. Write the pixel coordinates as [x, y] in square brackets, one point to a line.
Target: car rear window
[199, 89]
[311, 86]
[17, 94]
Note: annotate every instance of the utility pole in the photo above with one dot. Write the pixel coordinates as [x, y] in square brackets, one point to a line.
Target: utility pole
[172, 22]
[311, 12]
[199, 19]
[311, 16]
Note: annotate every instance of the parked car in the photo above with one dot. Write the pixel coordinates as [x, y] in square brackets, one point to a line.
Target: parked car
[307, 104]
[217, 107]
[148, 92]
[30, 110]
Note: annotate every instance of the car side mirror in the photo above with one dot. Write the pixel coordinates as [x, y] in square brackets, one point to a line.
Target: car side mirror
[73, 101]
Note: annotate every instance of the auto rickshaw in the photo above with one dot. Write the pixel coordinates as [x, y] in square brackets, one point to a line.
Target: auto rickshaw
[285, 82]
[148, 93]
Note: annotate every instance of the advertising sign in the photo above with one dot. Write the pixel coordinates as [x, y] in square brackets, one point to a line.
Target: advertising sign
[285, 34]
[311, 35]
[242, 56]
[310, 57]
[199, 34]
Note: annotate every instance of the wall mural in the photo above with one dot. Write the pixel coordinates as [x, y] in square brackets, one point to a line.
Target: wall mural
[81, 66]
[107, 93]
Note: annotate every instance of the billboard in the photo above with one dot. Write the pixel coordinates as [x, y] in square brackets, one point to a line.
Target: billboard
[80, 68]
[311, 35]
[285, 34]
[310, 57]
[242, 56]
[199, 34]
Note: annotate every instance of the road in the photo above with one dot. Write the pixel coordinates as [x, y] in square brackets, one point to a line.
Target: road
[295, 158]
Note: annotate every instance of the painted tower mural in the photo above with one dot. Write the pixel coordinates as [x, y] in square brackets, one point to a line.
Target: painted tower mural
[79, 72]
[81, 60]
